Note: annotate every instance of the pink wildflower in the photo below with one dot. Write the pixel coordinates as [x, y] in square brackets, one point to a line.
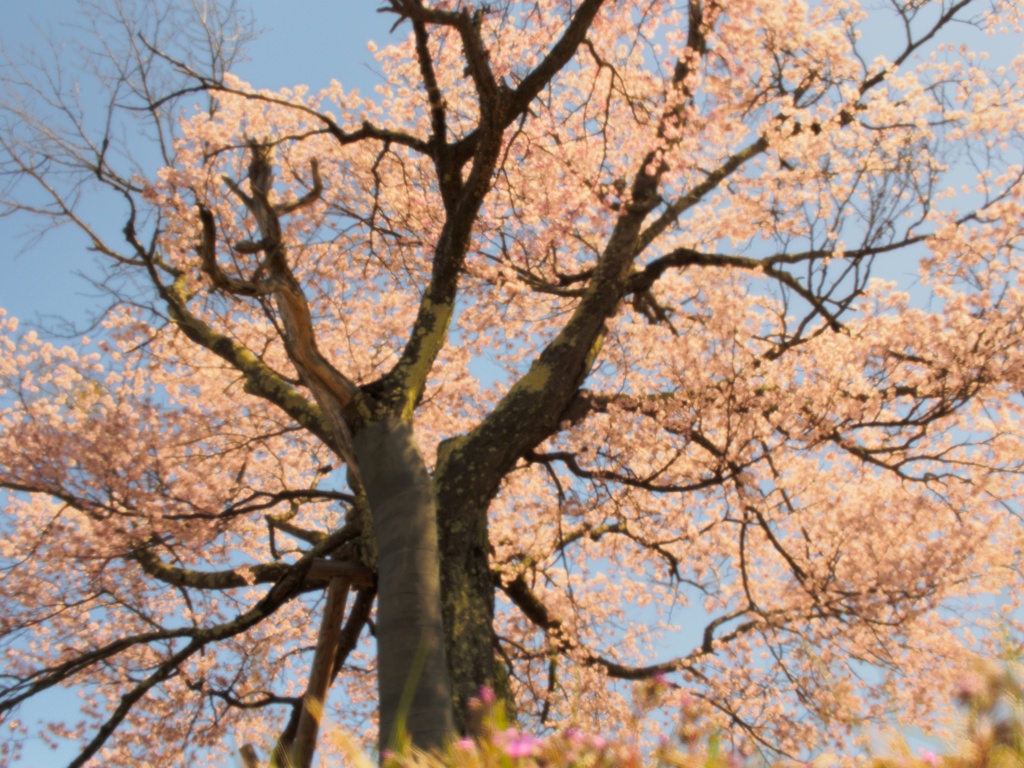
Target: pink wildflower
[597, 742]
[930, 757]
[516, 744]
[573, 734]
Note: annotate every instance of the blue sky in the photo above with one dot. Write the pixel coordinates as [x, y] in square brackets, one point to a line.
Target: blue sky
[311, 42]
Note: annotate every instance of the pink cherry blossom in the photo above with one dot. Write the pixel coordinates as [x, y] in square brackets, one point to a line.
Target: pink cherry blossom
[656, 336]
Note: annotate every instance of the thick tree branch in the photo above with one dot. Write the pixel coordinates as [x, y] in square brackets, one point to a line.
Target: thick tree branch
[259, 379]
[675, 209]
[319, 574]
[518, 101]
[338, 397]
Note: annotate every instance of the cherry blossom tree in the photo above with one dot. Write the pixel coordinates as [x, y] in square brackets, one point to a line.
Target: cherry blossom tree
[608, 340]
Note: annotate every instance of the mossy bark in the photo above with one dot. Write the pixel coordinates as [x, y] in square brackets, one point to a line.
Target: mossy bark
[468, 605]
[464, 494]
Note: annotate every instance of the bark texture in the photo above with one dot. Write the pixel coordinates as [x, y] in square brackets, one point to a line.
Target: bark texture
[464, 495]
[412, 679]
[468, 606]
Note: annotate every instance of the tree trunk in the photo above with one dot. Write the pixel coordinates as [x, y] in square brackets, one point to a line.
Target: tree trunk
[467, 592]
[412, 671]
[467, 586]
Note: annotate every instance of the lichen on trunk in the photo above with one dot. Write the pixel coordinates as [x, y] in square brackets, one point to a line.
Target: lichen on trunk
[468, 603]
[464, 491]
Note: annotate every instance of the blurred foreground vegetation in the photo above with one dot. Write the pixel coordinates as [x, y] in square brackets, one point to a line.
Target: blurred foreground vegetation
[990, 735]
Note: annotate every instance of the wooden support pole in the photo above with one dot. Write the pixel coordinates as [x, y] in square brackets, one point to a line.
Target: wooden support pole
[249, 757]
[340, 575]
[357, 575]
[320, 675]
